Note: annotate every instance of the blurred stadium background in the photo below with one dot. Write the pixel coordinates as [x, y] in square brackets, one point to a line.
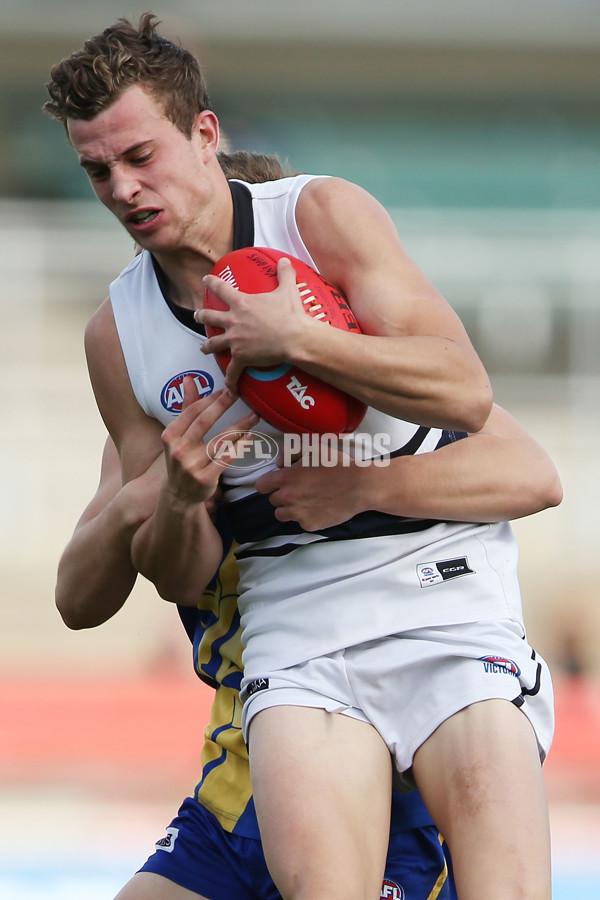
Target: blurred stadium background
[476, 124]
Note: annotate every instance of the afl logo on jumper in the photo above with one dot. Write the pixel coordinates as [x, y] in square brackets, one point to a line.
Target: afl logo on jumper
[391, 890]
[443, 570]
[171, 395]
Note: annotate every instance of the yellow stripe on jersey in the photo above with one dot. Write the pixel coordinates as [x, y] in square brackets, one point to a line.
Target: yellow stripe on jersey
[220, 651]
[442, 879]
[225, 786]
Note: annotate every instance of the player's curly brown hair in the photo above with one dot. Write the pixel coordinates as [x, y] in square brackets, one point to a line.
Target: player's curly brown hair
[90, 80]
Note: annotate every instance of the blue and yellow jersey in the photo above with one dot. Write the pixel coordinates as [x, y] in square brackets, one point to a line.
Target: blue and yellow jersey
[225, 789]
[215, 631]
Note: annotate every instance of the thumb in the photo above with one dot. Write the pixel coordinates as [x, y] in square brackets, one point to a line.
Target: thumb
[286, 274]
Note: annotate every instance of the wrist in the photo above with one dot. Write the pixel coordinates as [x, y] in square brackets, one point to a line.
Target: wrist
[308, 344]
[384, 487]
[180, 503]
[367, 493]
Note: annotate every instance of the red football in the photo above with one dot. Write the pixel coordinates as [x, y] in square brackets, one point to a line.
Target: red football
[286, 396]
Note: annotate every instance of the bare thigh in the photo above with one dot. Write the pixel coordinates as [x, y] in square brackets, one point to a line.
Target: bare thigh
[322, 788]
[481, 778]
[149, 886]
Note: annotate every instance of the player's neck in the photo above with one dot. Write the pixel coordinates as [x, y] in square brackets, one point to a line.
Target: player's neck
[184, 268]
[181, 278]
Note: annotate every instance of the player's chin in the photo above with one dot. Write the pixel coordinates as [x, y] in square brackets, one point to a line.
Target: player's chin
[154, 237]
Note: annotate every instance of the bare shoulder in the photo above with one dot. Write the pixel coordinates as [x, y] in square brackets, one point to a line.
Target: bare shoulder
[334, 200]
[100, 329]
[136, 435]
[102, 315]
[346, 230]
[331, 189]
[103, 351]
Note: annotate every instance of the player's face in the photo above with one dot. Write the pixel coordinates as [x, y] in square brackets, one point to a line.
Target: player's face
[145, 170]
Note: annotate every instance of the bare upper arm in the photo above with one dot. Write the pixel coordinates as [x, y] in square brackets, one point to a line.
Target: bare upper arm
[502, 424]
[356, 246]
[136, 436]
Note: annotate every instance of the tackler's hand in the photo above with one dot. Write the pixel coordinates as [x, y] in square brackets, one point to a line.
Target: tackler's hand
[314, 495]
[192, 472]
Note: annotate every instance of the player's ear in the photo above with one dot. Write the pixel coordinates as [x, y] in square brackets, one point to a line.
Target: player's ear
[206, 127]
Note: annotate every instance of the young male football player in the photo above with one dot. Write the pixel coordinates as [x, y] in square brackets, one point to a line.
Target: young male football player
[433, 607]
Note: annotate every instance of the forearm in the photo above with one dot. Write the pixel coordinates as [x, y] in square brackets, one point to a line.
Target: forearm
[412, 360]
[500, 473]
[178, 549]
[95, 572]
[424, 379]
[470, 486]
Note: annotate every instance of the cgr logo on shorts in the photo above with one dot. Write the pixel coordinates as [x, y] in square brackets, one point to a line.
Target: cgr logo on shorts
[443, 570]
[391, 890]
[168, 842]
[171, 395]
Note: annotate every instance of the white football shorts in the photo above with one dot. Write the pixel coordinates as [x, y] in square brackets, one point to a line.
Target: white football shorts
[407, 684]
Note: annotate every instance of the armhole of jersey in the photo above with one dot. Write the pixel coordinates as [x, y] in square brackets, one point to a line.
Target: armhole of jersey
[300, 247]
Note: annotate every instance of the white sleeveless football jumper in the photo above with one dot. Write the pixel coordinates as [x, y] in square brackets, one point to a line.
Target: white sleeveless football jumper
[305, 596]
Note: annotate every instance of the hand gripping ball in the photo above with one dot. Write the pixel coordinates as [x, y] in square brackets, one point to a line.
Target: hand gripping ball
[286, 396]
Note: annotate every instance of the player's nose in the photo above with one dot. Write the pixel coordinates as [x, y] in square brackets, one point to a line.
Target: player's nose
[125, 185]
